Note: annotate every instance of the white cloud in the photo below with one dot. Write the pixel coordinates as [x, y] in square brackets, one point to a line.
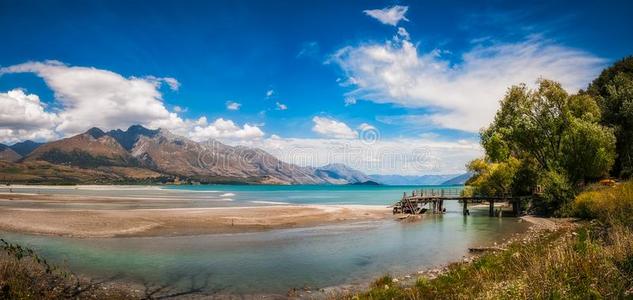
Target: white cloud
[180, 109]
[89, 97]
[387, 156]
[403, 33]
[172, 82]
[350, 101]
[332, 128]
[225, 130]
[23, 116]
[269, 93]
[389, 15]
[281, 106]
[230, 105]
[465, 95]
[94, 97]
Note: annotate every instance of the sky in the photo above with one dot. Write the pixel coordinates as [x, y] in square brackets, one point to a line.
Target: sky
[386, 87]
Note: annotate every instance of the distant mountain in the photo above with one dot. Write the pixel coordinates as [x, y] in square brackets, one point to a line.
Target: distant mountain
[171, 155]
[368, 182]
[145, 154]
[340, 174]
[458, 180]
[91, 149]
[7, 154]
[411, 179]
[26, 147]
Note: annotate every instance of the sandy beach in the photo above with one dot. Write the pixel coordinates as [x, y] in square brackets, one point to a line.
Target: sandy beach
[90, 222]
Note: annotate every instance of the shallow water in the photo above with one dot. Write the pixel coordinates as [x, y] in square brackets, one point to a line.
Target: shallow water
[276, 261]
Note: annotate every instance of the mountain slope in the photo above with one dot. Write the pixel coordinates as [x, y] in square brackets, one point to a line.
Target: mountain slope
[411, 179]
[26, 147]
[158, 153]
[7, 154]
[213, 161]
[458, 180]
[90, 149]
[340, 174]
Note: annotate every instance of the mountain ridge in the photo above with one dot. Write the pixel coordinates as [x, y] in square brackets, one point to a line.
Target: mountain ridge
[163, 154]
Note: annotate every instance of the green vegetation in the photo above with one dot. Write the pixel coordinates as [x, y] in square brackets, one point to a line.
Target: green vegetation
[613, 90]
[25, 275]
[549, 141]
[588, 260]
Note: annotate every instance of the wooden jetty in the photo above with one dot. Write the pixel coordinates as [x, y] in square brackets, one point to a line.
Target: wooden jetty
[417, 202]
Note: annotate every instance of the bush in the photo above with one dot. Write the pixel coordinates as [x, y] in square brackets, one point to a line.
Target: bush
[610, 206]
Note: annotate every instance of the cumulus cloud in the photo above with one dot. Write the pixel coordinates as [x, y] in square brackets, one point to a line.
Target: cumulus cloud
[465, 95]
[24, 116]
[226, 130]
[281, 106]
[95, 97]
[89, 97]
[332, 128]
[389, 15]
[230, 105]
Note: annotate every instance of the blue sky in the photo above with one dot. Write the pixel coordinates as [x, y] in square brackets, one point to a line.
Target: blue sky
[295, 74]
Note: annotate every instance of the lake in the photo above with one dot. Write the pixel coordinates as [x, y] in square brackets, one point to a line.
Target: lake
[278, 260]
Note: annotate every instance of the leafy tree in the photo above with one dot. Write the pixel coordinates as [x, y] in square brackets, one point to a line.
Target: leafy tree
[547, 137]
[613, 90]
[493, 179]
[589, 150]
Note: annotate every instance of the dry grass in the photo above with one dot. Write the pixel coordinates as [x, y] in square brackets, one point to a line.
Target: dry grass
[25, 275]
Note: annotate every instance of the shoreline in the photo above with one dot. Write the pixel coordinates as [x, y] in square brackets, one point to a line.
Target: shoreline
[538, 226]
[179, 221]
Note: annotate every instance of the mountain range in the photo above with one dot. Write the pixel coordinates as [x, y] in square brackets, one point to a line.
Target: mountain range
[451, 179]
[139, 154]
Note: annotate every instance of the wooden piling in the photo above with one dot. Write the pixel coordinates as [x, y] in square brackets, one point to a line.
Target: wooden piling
[491, 209]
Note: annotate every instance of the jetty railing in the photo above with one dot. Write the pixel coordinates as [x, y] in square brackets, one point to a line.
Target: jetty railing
[416, 202]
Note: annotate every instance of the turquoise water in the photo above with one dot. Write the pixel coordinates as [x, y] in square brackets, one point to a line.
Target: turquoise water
[313, 194]
[278, 260]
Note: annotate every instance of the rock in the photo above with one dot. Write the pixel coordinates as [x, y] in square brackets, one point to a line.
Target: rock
[394, 280]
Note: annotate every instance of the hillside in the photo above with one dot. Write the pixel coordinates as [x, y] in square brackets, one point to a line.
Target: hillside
[115, 155]
[7, 154]
[25, 147]
[411, 179]
[340, 174]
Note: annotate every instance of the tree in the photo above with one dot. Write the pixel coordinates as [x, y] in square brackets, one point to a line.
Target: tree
[613, 90]
[493, 179]
[547, 137]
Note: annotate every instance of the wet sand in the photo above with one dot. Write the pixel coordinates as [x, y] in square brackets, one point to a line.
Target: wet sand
[115, 222]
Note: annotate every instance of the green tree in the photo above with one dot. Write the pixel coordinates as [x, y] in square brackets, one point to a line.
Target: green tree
[547, 137]
[493, 179]
[613, 90]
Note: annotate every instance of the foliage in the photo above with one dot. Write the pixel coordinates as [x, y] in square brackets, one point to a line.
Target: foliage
[557, 193]
[613, 90]
[493, 178]
[25, 275]
[609, 205]
[589, 150]
[544, 137]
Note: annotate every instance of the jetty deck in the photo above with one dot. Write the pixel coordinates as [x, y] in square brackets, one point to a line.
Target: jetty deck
[421, 201]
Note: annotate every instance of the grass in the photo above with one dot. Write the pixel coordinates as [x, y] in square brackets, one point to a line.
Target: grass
[591, 260]
[25, 275]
